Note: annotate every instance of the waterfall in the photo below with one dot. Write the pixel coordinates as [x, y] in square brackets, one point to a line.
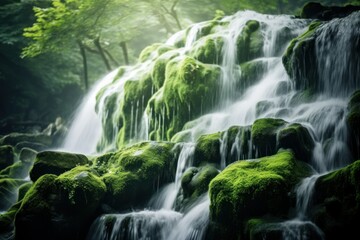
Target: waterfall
[85, 130]
[271, 95]
[164, 222]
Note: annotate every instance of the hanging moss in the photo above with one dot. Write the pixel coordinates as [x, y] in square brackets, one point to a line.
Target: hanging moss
[208, 49]
[187, 84]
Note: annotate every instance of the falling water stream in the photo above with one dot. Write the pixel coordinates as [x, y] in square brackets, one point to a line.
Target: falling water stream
[324, 117]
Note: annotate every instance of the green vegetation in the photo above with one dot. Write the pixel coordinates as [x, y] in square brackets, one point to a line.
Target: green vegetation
[253, 188]
[48, 162]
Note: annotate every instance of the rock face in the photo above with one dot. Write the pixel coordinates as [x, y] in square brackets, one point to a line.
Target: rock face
[6, 156]
[133, 174]
[353, 121]
[318, 11]
[253, 188]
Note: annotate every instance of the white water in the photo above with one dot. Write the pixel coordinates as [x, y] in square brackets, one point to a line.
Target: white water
[324, 117]
[85, 130]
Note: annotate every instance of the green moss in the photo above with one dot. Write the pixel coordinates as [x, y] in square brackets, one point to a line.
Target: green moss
[208, 49]
[264, 133]
[74, 195]
[27, 155]
[134, 173]
[187, 84]
[153, 51]
[248, 189]
[207, 149]
[158, 71]
[250, 42]
[297, 138]
[49, 162]
[23, 189]
[300, 61]
[251, 72]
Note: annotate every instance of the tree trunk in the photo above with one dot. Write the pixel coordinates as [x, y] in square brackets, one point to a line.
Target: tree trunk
[83, 55]
[125, 52]
[102, 54]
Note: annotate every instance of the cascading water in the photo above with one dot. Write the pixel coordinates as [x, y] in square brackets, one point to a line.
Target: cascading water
[85, 130]
[271, 95]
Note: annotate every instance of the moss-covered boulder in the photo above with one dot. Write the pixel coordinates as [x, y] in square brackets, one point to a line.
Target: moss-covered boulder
[60, 207]
[263, 133]
[250, 42]
[134, 173]
[297, 137]
[253, 188]
[300, 59]
[207, 149]
[6, 156]
[153, 51]
[184, 96]
[208, 49]
[51, 162]
[194, 183]
[353, 122]
[32, 145]
[336, 202]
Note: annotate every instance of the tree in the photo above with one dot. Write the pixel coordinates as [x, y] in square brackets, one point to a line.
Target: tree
[67, 23]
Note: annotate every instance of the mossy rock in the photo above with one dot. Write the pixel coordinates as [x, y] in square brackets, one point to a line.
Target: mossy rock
[134, 173]
[263, 133]
[300, 59]
[51, 162]
[153, 51]
[263, 106]
[208, 49]
[60, 207]
[336, 208]
[15, 138]
[6, 156]
[184, 96]
[158, 70]
[353, 122]
[194, 183]
[207, 149]
[297, 137]
[250, 42]
[9, 192]
[23, 189]
[251, 73]
[136, 96]
[253, 188]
